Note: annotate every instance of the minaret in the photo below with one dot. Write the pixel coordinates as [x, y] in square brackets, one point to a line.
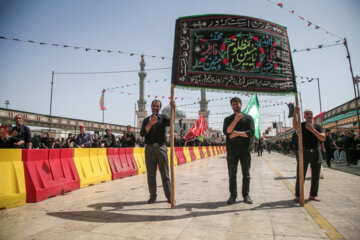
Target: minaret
[204, 107]
[141, 113]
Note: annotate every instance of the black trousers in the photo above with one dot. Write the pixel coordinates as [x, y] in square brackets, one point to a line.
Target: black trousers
[328, 157]
[311, 158]
[155, 156]
[232, 162]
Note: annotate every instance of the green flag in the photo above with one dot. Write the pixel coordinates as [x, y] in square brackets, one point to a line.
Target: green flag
[253, 110]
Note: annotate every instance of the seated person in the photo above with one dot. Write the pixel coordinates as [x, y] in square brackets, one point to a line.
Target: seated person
[7, 141]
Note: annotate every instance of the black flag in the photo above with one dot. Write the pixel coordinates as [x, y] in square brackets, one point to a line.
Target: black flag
[291, 110]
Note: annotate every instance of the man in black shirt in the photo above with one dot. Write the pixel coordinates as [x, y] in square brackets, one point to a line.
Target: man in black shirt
[109, 139]
[7, 141]
[35, 141]
[154, 130]
[96, 143]
[312, 134]
[129, 138]
[327, 146]
[68, 141]
[238, 128]
[21, 131]
[348, 144]
[47, 142]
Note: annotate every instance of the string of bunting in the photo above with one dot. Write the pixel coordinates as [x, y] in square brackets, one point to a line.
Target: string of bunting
[308, 79]
[321, 46]
[87, 49]
[156, 96]
[135, 84]
[307, 21]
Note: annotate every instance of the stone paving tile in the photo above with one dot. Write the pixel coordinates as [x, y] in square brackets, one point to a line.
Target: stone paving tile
[118, 209]
[295, 224]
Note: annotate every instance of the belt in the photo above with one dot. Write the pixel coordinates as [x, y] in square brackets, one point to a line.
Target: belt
[156, 144]
[310, 149]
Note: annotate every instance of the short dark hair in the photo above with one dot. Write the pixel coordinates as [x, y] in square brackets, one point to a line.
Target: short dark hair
[235, 99]
[18, 115]
[327, 130]
[156, 100]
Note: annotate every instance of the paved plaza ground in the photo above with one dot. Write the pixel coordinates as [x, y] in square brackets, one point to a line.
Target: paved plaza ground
[118, 209]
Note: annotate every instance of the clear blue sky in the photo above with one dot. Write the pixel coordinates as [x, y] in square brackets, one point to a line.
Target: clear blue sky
[147, 27]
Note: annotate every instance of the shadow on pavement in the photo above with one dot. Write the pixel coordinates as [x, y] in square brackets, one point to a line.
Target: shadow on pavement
[97, 215]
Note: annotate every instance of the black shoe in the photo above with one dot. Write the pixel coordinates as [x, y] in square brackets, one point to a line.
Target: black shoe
[151, 200]
[248, 200]
[231, 200]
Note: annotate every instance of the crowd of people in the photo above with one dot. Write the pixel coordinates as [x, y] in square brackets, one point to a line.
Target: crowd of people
[338, 148]
[19, 136]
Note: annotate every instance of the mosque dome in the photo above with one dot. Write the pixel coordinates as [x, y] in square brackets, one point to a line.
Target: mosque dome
[179, 113]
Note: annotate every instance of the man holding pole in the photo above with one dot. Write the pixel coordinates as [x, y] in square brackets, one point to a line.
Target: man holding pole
[238, 128]
[154, 130]
[312, 134]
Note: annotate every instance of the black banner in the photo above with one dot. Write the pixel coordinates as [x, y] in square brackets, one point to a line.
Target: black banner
[233, 53]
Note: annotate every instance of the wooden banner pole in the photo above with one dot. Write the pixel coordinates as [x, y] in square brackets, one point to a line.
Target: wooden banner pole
[301, 156]
[172, 174]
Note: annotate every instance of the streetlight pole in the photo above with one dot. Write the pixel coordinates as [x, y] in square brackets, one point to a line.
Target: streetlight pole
[356, 94]
[319, 94]
[51, 96]
[7, 102]
[135, 116]
[356, 81]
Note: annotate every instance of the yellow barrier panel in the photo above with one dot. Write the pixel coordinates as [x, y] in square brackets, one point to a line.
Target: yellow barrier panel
[187, 154]
[175, 159]
[139, 155]
[197, 153]
[92, 166]
[12, 179]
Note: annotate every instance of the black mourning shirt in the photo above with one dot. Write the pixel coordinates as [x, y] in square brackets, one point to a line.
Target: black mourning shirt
[246, 124]
[9, 142]
[157, 132]
[328, 142]
[310, 141]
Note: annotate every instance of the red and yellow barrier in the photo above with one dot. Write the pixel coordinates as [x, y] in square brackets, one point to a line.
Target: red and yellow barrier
[181, 159]
[35, 175]
[175, 159]
[201, 152]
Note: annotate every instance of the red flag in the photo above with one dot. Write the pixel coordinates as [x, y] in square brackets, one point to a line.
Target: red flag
[102, 106]
[202, 126]
[199, 128]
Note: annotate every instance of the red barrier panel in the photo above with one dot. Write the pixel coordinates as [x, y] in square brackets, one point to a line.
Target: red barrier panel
[219, 149]
[192, 154]
[202, 155]
[49, 173]
[180, 155]
[213, 151]
[129, 153]
[209, 153]
[119, 168]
